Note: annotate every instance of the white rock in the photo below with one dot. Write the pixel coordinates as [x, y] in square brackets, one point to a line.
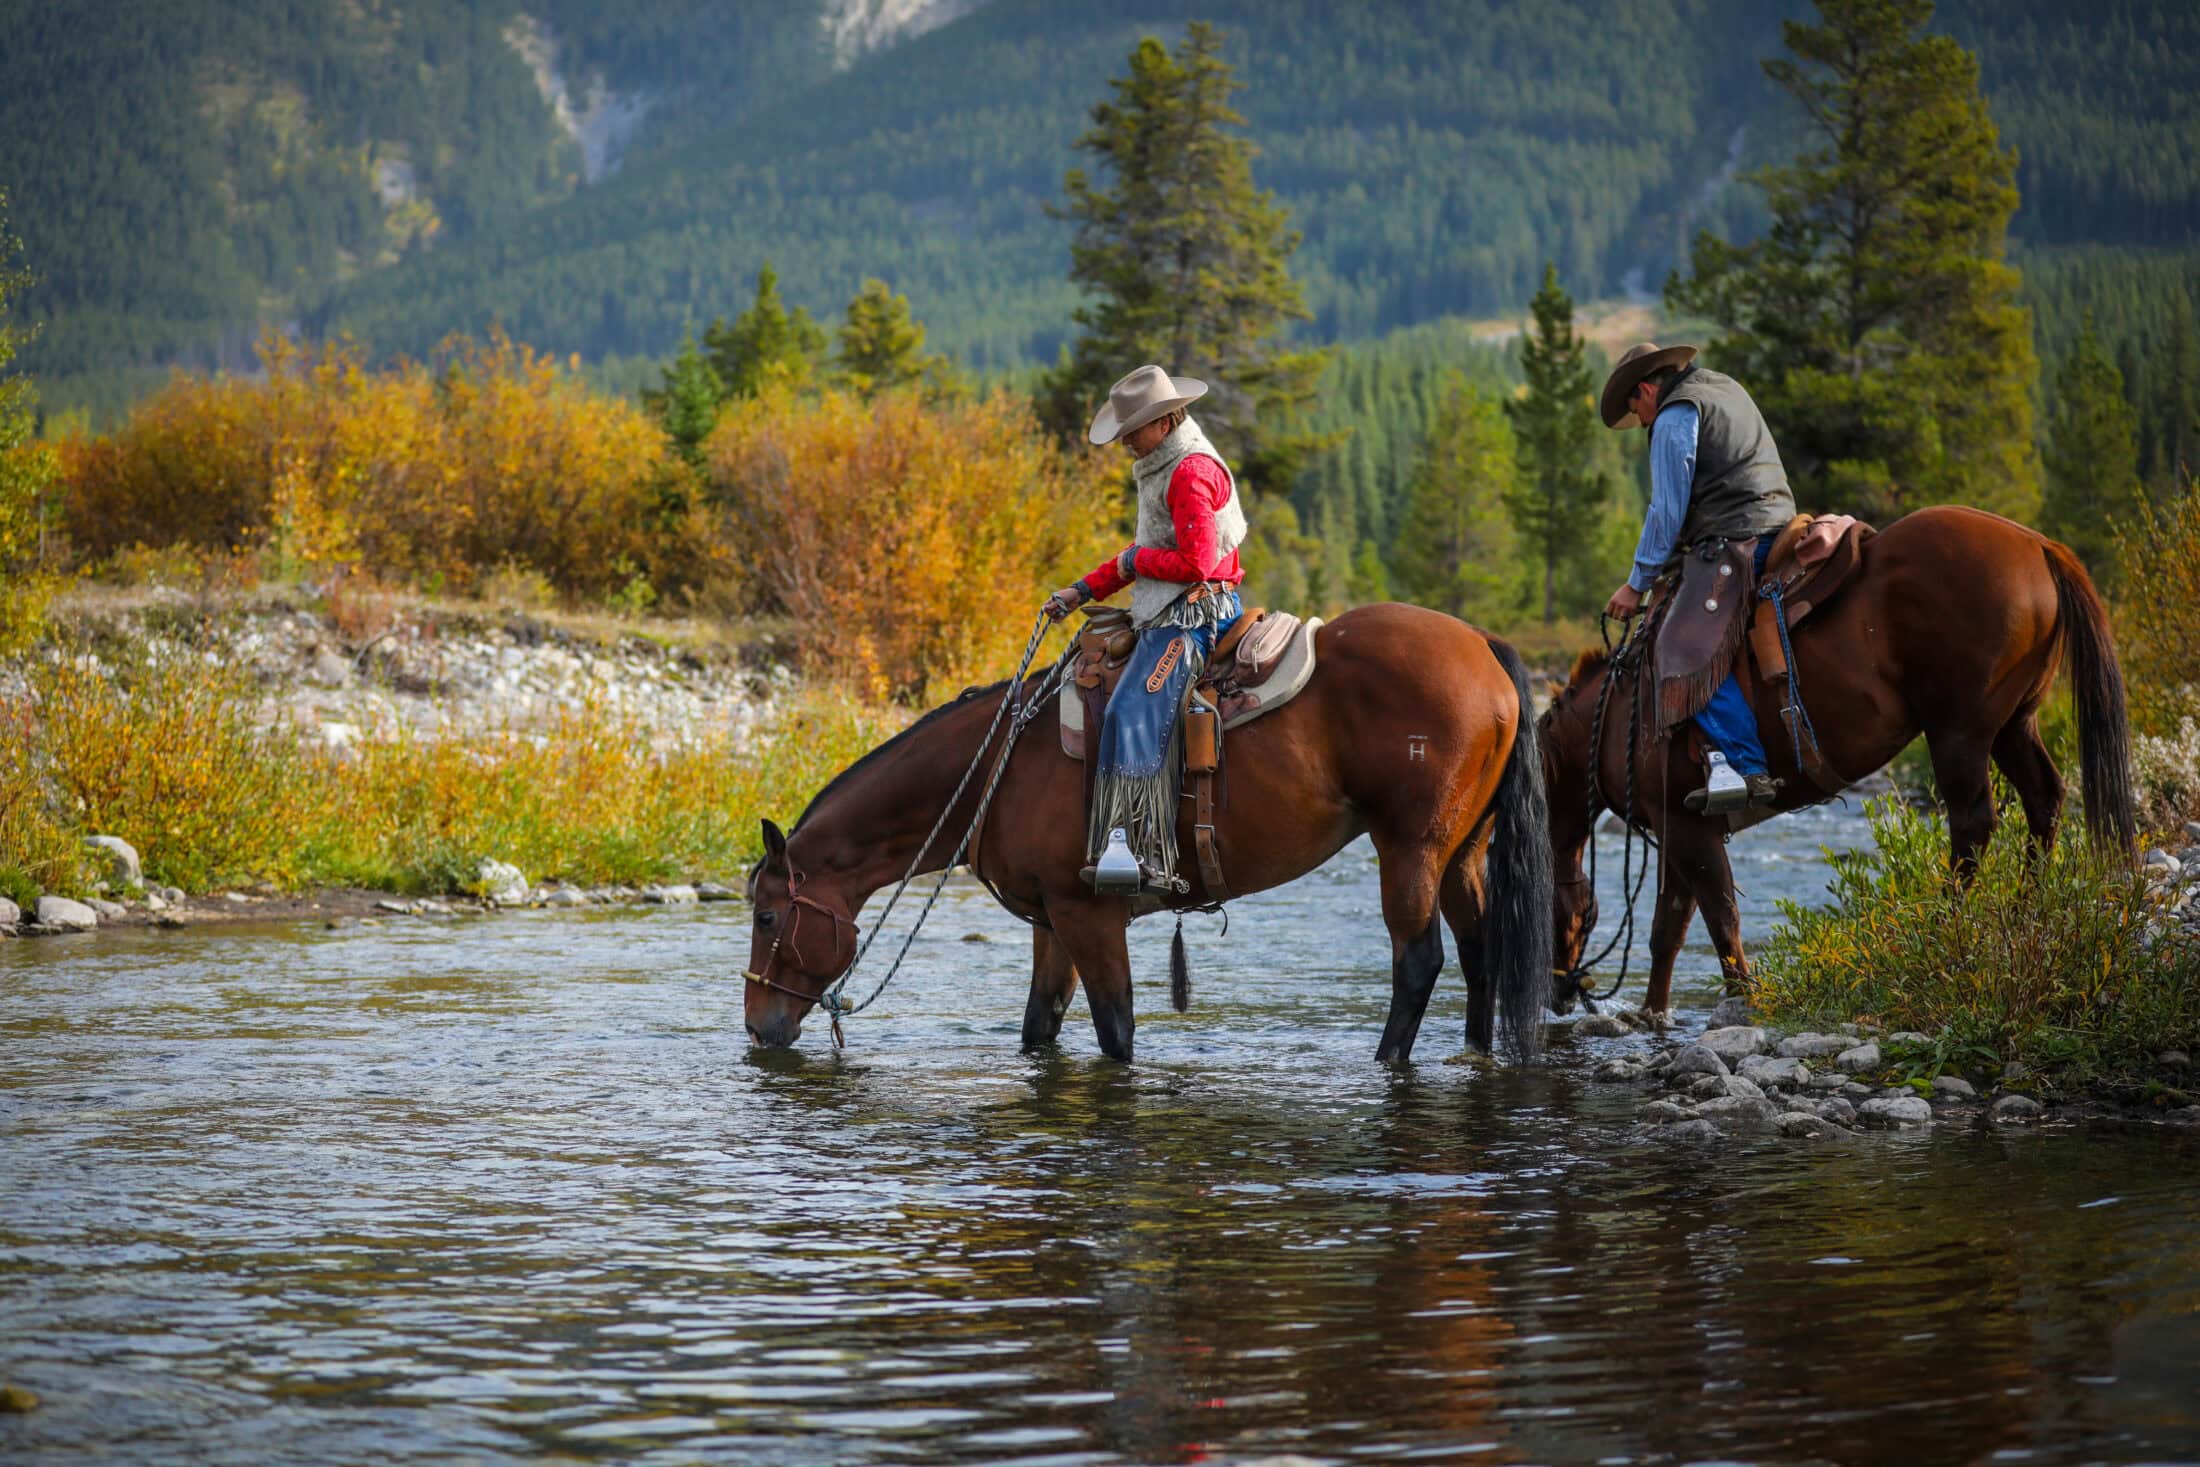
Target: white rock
[1736, 1042]
[1740, 1113]
[65, 915]
[1813, 1046]
[1785, 1071]
[563, 896]
[119, 857]
[1828, 1080]
[1618, 1072]
[1598, 1026]
[501, 882]
[669, 896]
[2192, 831]
[1909, 1036]
[155, 902]
[2016, 1108]
[1855, 1061]
[711, 891]
[1694, 1059]
[403, 909]
[1796, 1123]
[1728, 1012]
[108, 911]
[1906, 1110]
[10, 913]
[2165, 861]
[1954, 1087]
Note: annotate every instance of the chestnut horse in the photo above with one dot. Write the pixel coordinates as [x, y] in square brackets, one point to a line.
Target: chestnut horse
[1415, 729]
[1953, 627]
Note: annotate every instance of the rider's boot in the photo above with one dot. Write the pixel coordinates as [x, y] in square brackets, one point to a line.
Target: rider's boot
[1723, 790]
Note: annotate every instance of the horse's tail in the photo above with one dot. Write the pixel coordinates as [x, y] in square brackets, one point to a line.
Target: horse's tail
[1516, 922]
[2104, 738]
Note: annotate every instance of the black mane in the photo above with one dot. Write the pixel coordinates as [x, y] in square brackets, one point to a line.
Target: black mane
[960, 699]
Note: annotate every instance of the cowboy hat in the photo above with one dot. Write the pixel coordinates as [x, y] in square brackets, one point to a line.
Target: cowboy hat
[1643, 358]
[1140, 398]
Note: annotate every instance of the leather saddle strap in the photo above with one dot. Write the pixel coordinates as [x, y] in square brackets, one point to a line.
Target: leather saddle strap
[1203, 837]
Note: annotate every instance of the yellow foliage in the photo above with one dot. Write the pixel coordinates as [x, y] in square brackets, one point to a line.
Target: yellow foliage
[908, 544]
[2158, 620]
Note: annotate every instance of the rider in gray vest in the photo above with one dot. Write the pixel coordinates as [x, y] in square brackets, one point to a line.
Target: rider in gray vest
[1714, 475]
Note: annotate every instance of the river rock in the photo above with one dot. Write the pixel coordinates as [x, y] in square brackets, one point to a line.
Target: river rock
[1828, 1080]
[1803, 1126]
[108, 911]
[563, 896]
[1834, 1109]
[2168, 1059]
[2016, 1072]
[501, 882]
[1599, 1026]
[1659, 1063]
[62, 915]
[2016, 1108]
[1858, 1094]
[1740, 1113]
[1855, 1061]
[1736, 1042]
[118, 857]
[1788, 1073]
[1716, 1087]
[10, 913]
[174, 895]
[669, 896]
[1909, 1036]
[2165, 862]
[711, 891]
[17, 1399]
[1691, 1060]
[1681, 1132]
[1729, 1012]
[1619, 1072]
[402, 909]
[1902, 1110]
[1954, 1087]
[1814, 1046]
[1663, 1112]
[155, 902]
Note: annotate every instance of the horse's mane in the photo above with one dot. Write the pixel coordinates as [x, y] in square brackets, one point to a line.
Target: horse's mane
[896, 742]
[1592, 661]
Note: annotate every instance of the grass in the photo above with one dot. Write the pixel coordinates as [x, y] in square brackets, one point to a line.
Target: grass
[2063, 963]
[178, 757]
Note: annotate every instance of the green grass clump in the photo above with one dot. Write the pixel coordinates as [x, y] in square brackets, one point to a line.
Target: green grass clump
[2062, 962]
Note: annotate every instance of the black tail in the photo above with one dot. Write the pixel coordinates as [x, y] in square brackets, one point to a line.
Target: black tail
[1516, 924]
[2097, 681]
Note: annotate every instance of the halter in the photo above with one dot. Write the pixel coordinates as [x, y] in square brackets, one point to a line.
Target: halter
[795, 902]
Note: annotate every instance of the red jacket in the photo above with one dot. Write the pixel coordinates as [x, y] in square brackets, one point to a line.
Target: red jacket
[1198, 488]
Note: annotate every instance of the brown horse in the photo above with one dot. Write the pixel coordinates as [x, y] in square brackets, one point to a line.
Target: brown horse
[1415, 729]
[1954, 628]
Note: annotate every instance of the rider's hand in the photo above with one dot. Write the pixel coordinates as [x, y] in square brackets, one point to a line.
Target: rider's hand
[1625, 602]
[1067, 600]
[1126, 564]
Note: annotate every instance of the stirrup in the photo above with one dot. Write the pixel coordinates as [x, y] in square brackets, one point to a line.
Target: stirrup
[1723, 790]
[1118, 868]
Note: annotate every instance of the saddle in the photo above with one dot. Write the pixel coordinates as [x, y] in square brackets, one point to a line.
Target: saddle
[1810, 562]
[1262, 662]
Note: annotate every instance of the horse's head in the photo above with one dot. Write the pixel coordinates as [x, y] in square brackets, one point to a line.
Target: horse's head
[1565, 737]
[803, 938]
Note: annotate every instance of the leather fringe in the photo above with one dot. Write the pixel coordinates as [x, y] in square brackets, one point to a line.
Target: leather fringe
[1682, 698]
[1180, 971]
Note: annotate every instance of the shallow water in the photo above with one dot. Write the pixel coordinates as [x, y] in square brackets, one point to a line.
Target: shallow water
[514, 1186]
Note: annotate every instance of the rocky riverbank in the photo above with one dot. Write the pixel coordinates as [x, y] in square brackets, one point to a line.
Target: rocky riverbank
[1740, 1077]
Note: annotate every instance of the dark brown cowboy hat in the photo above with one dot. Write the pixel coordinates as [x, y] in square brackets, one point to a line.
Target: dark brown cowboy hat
[1643, 358]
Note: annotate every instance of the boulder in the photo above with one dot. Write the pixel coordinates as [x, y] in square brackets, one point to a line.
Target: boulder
[1663, 1112]
[1796, 1123]
[1855, 1061]
[1691, 1060]
[1814, 1046]
[1834, 1109]
[1905, 1110]
[670, 896]
[1736, 1042]
[63, 915]
[563, 896]
[501, 882]
[1954, 1087]
[711, 891]
[2016, 1108]
[1728, 1012]
[1689, 1132]
[1740, 1113]
[10, 913]
[1619, 1072]
[1785, 1072]
[108, 911]
[1828, 1080]
[1719, 1087]
[1599, 1026]
[117, 857]
[2164, 861]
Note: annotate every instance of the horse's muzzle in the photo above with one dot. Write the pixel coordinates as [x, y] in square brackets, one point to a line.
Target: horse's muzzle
[775, 1032]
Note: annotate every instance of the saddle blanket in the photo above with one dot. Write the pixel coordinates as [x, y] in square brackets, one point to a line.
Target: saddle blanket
[1282, 679]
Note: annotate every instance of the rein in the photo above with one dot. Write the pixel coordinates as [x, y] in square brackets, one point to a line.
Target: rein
[831, 1000]
[1627, 657]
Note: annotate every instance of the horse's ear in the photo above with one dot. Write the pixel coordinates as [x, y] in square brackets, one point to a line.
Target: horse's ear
[775, 845]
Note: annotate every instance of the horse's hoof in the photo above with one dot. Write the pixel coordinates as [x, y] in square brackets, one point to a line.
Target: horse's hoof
[1473, 1059]
[1651, 1018]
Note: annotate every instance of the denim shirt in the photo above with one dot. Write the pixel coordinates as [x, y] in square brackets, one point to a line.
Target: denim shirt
[1672, 477]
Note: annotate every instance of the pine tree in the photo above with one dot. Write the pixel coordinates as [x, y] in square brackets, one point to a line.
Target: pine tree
[26, 467]
[1876, 323]
[766, 343]
[686, 402]
[1556, 499]
[2091, 457]
[880, 346]
[1455, 545]
[1186, 263]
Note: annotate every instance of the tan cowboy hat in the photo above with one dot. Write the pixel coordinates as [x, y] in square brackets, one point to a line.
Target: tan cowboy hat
[1643, 358]
[1140, 398]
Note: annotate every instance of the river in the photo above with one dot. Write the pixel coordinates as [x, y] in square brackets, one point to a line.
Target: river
[514, 1187]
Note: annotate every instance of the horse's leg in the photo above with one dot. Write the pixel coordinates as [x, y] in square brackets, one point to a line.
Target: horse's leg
[1676, 905]
[1092, 934]
[1464, 910]
[1409, 876]
[1699, 855]
[2022, 757]
[1053, 980]
[1959, 768]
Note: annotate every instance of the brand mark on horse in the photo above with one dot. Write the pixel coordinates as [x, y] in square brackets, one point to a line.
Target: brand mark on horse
[1417, 747]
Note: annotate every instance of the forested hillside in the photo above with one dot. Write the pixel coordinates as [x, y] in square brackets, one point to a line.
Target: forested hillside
[596, 178]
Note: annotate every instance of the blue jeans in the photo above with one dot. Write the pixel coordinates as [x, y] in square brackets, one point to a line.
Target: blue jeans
[1140, 721]
[1727, 720]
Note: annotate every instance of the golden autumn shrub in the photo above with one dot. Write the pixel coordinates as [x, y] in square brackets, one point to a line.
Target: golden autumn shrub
[437, 473]
[908, 544]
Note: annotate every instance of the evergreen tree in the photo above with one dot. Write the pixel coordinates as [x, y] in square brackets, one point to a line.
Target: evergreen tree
[1876, 322]
[1186, 263]
[2092, 456]
[1455, 546]
[1556, 498]
[2172, 402]
[880, 346]
[26, 467]
[686, 402]
[766, 343]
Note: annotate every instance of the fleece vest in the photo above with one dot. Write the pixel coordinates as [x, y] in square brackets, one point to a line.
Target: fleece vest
[1155, 602]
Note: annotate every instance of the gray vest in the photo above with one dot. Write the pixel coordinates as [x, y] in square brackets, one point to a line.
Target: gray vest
[1741, 489]
[1158, 601]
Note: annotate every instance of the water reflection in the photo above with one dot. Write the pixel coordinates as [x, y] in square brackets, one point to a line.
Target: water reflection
[516, 1187]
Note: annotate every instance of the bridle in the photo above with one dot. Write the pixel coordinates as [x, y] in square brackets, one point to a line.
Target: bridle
[796, 901]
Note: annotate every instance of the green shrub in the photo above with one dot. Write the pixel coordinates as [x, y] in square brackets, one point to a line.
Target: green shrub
[2065, 963]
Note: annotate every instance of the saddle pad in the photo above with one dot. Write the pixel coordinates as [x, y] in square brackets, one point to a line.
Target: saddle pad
[1289, 677]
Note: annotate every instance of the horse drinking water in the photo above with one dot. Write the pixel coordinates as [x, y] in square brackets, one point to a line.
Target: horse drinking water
[1415, 729]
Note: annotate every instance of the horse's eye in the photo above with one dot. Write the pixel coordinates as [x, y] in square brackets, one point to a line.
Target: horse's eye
[765, 917]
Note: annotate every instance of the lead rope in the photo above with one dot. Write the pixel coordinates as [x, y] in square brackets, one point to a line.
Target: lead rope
[830, 1000]
[1619, 661]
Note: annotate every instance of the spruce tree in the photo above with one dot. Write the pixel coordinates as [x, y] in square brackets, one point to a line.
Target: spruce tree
[686, 402]
[766, 343]
[2092, 456]
[1186, 263]
[27, 467]
[1455, 545]
[880, 346]
[1876, 322]
[1555, 499]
